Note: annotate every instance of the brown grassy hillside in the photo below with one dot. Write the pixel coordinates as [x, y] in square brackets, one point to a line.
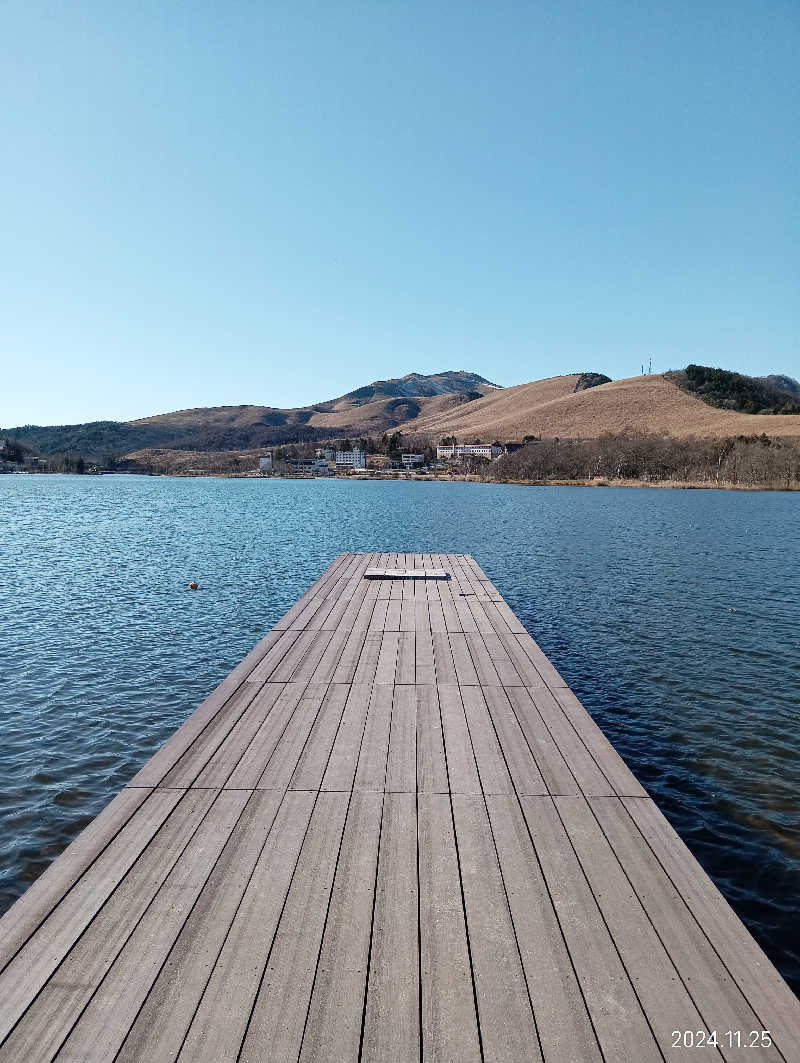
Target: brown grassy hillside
[648, 404]
[511, 407]
[345, 415]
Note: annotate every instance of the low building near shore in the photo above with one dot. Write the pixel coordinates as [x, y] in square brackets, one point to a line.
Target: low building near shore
[412, 461]
[307, 467]
[456, 452]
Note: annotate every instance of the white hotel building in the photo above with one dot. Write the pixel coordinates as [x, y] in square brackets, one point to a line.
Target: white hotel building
[468, 450]
[353, 459]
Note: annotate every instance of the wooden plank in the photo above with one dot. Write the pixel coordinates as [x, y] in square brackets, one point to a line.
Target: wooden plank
[307, 668]
[543, 666]
[431, 767]
[348, 602]
[313, 616]
[391, 1014]
[767, 993]
[341, 768]
[482, 621]
[368, 659]
[23, 918]
[335, 602]
[521, 764]
[160, 1027]
[565, 1029]
[606, 757]
[406, 658]
[275, 1030]
[47, 1022]
[345, 667]
[449, 1021]
[346, 611]
[481, 660]
[462, 771]
[105, 1023]
[329, 661]
[274, 657]
[393, 615]
[220, 1021]
[401, 767]
[461, 584]
[553, 767]
[174, 748]
[371, 770]
[188, 767]
[387, 658]
[425, 667]
[327, 578]
[508, 1029]
[384, 588]
[582, 764]
[33, 965]
[500, 624]
[466, 619]
[377, 620]
[462, 659]
[619, 1023]
[222, 760]
[408, 618]
[257, 755]
[511, 619]
[313, 760]
[523, 665]
[443, 659]
[333, 1028]
[436, 615]
[492, 767]
[487, 587]
[501, 660]
[662, 992]
[451, 617]
[361, 619]
[283, 762]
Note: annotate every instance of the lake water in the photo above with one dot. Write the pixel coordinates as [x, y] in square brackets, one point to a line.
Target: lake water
[674, 615]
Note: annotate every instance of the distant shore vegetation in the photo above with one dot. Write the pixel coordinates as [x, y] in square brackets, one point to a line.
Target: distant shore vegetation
[742, 461]
[756, 461]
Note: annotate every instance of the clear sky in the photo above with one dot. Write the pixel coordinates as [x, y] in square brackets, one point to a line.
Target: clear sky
[276, 202]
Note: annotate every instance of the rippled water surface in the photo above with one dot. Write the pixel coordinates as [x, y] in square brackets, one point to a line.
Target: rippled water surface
[674, 615]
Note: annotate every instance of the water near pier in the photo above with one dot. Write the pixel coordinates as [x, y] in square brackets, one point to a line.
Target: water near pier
[673, 615]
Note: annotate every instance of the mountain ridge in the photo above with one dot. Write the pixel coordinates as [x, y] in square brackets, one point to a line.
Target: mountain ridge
[383, 405]
[577, 406]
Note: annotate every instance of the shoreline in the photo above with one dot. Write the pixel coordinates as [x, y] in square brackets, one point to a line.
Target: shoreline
[675, 485]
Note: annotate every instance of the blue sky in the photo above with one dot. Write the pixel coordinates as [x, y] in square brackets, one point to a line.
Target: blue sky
[277, 202]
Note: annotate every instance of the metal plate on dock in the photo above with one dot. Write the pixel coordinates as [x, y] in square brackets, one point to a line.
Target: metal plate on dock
[406, 573]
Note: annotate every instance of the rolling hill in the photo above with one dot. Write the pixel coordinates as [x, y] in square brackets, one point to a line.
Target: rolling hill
[429, 408]
[652, 405]
[379, 407]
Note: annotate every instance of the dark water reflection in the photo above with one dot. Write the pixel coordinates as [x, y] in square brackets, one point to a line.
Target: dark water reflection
[673, 615]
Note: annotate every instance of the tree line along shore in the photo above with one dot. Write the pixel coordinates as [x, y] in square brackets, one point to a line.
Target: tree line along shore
[754, 462]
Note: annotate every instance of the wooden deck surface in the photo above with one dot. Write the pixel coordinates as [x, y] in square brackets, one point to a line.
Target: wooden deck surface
[391, 834]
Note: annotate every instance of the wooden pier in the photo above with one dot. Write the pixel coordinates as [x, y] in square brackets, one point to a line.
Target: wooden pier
[392, 834]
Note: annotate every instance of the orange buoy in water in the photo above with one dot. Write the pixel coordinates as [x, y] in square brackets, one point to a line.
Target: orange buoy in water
[193, 586]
